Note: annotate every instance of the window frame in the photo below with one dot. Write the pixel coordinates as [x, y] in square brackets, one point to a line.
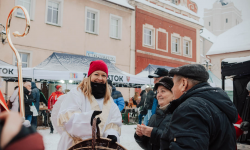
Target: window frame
[119, 26]
[60, 12]
[173, 36]
[149, 27]
[29, 58]
[187, 39]
[32, 10]
[185, 46]
[178, 45]
[150, 37]
[157, 36]
[97, 17]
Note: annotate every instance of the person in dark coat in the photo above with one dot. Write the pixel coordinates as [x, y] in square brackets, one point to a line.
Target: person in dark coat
[148, 137]
[28, 100]
[36, 95]
[149, 104]
[141, 105]
[117, 96]
[202, 116]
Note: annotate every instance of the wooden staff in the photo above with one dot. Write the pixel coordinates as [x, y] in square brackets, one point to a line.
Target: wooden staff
[19, 61]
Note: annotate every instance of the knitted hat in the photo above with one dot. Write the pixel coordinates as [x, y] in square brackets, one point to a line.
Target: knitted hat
[58, 87]
[167, 82]
[98, 65]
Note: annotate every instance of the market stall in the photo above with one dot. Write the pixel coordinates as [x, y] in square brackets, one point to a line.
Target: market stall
[62, 66]
[8, 73]
[238, 69]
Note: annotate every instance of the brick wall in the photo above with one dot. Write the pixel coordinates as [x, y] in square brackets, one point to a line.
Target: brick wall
[142, 60]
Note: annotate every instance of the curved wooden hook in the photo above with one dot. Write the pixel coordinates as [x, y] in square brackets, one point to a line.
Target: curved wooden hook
[19, 61]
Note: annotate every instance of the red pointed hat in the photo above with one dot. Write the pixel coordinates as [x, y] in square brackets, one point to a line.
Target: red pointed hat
[58, 87]
[97, 65]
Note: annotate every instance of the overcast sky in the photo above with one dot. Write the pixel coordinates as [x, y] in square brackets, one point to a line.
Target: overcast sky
[242, 5]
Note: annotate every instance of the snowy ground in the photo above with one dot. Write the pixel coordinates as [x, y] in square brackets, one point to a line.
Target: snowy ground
[127, 138]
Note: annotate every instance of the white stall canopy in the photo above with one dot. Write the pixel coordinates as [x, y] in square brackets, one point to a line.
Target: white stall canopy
[150, 69]
[62, 66]
[10, 71]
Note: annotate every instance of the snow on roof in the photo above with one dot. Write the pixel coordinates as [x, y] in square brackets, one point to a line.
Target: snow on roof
[169, 12]
[234, 40]
[208, 35]
[179, 7]
[123, 3]
[237, 59]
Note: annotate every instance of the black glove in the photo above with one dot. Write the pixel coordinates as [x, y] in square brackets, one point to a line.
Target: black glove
[95, 113]
[244, 126]
[113, 138]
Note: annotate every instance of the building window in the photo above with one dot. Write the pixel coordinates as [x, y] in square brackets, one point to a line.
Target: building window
[29, 5]
[52, 16]
[175, 45]
[91, 20]
[186, 48]
[54, 12]
[175, 2]
[148, 37]
[226, 20]
[209, 23]
[115, 26]
[25, 59]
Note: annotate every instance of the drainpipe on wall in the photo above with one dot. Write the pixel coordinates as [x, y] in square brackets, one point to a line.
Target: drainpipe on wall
[132, 50]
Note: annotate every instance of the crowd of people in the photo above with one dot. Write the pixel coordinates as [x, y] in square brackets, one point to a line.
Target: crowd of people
[182, 111]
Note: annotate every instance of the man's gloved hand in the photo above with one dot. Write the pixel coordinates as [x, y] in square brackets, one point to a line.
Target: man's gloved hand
[244, 126]
[113, 138]
[95, 113]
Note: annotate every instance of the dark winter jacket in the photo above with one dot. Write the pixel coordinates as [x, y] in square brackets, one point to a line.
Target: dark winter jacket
[143, 110]
[36, 95]
[150, 100]
[159, 121]
[118, 98]
[28, 99]
[202, 119]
